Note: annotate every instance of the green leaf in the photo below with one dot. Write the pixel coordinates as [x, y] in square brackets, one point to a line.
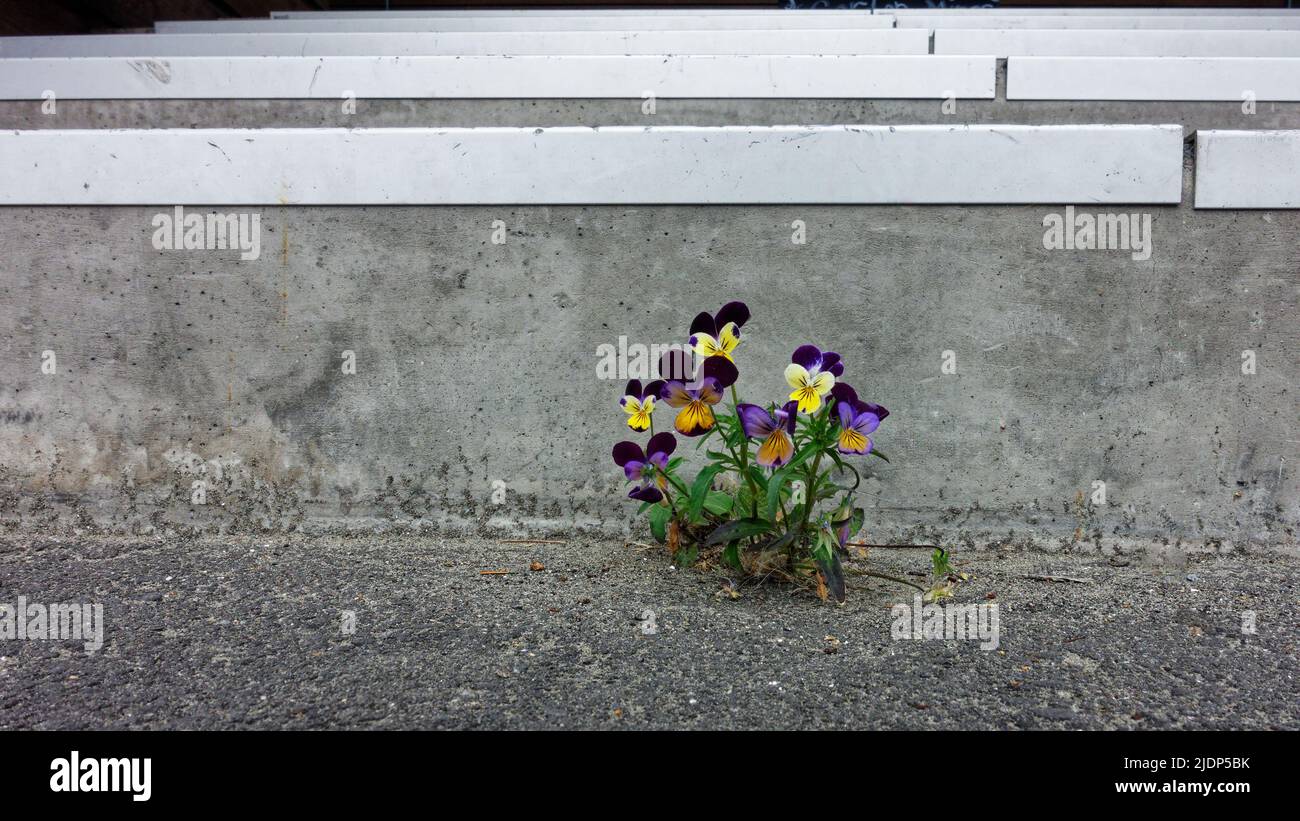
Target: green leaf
[774, 487]
[686, 555]
[659, 522]
[732, 555]
[942, 567]
[780, 542]
[717, 502]
[877, 452]
[699, 489]
[738, 529]
[834, 573]
[824, 547]
[679, 485]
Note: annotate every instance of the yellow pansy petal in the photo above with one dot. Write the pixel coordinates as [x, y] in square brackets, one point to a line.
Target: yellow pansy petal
[706, 346]
[796, 375]
[631, 405]
[639, 421]
[851, 440]
[808, 398]
[729, 337]
[696, 417]
[776, 450]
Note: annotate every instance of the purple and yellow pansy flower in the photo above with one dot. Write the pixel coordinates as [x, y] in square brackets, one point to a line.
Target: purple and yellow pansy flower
[812, 375]
[858, 420]
[844, 392]
[718, 335]
[639, 465]
[695, 414]
[695, 398]
[639, 402]
[856, 426]
[776, 431]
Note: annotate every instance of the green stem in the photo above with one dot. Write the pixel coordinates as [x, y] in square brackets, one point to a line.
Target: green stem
[744, 454]
[667, 496]
[808, 491]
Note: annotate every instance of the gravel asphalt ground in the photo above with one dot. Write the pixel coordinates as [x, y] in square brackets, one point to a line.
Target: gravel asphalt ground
[249, 633]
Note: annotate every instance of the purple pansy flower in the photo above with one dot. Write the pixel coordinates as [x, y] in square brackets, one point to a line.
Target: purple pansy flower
[844, 393]
[774, 429]
[639, 402]
[639, 466]
[718, 335]
[858, 420]
[695, 416]
[855, 425]
[694, 395]
[812, 375]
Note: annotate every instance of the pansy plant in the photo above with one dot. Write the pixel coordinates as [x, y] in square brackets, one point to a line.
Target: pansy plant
[743, 501]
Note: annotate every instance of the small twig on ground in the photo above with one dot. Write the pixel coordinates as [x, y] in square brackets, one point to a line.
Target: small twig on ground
[493, 572]
[856, 572]
[1059, 579]
[532, 541]
[894, 546]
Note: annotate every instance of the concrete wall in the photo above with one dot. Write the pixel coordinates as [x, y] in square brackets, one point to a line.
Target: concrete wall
[477, 362]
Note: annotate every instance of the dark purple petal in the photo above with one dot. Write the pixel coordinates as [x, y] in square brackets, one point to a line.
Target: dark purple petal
[737, 312]
[807, 355]
[791, 414]
[704, 324]
[755, 421]
[625, 452]
[663, 443]
[870, 407]
[676, 363]
[844, 393]
[652, 389]
[633, 388]
[837, 370]
[722, 369]
[830, 360]
[633, 469]
[645, 493]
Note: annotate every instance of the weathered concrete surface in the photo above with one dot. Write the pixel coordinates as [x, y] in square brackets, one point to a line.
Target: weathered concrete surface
[247, 632]
[477, 362]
